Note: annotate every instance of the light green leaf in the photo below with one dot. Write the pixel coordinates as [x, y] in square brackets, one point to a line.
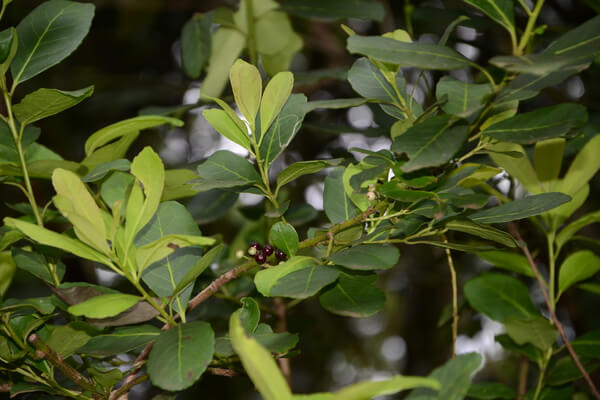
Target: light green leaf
[224, 169]
[284, 237]
[537, 331]
[249, 314]
[180, 355]
[65, 339]
[367, 257]
[481, 230]
[301, 168]
[500, 297]
[509, 261]
[543, 123]
[519, 209]
[49, 34]
[227, 44]
[314, 396]
[105, 305]
[583, 168]
[227, 127]
[122, 340]
[198, 268]
[196, 44]
[335, 9]
[354, 295]
[430, 143]
[463, 98]
[46, 102]
[519, 168]
[576, 268]
[161, 248]
[281, 61]
[568, 231]
[276, 94]
[547, 158]
[247, 89]
[273, 32]
[258, 363]
[368, 390]
[128, 127]
[501, 11]
[178, 184]
[420, 55]
[338, 206]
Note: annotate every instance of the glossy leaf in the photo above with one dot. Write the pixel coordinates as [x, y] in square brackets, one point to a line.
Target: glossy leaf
[509, 261]
[482, 231]
[226, 170]
[180, 355]
[106, 305]
[430, 143]
[367, 257]
[301, 168]
[354, 296]
[284, 237]
[44, 305]
[501, 11]
[335, 9]
[46, 102]
[258, 363]
[519, 209]
[196, 44]
[462, 98]
[500, 297]
[368, 390]
[8, 39]
[247, 89]
[537, 331]
[227, 127]
[49, 34]
[577, 267]
[543, 123]
[276, 94]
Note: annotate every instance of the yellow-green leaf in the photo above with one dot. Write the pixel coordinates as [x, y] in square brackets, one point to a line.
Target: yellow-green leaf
[247, 89]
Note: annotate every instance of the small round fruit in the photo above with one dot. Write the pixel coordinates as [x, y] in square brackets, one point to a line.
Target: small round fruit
[261, 258]
[254, 248]
[268, 249]
[280, 255]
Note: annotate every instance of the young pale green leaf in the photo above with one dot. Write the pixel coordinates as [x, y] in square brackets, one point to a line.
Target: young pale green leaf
[463, 98]
[227, 44]
[583, 168]
[283, 129]
[454, 378]
[127, 127]
[299, 277]
[338, 206]
[543, 123]
[300, 168]
[500, 297]
[281, 61]
[273, 32]
[519, 168]
[576, 268]
[588, 344]
[247, 89]
[568, 231]
[122, 340]
[509, 261]
[284, 237]
[367, 257]
[178, 184]
[49, 34]
[277, 343]
[354, 295]
[369, 82]
[105, 305]
[334, 104]
[368, 390]
[249, 314]
[227, 127]
[180, 355]
[194, 272]
[46, 102]
[501, 11]
[420, 55]
[226, 170]
[258, 363]
[103, 169]
[196, 44]
[430, 143]
[276, 94]
[335, 9]
[481, 230]
[537, 331]
[547, 158]
[519, 209]
[314, 396]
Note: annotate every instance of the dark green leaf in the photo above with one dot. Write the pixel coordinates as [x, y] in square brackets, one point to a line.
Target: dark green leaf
[367, 257]
[367, 390]
[463, 98]
[584, 39]
[501, 11]
[101, 170]
[481, 230]
[509, 261]
[528, 350]
[65, 339]
[536, 64]
[335, 9]
[564, 371]
[37, 265]
[277, 343]
[370, 83]
[180, 355]
[226, 170]
[284, 237]
[333, 104]
[354, 296]
[568, 231]
[543, 123]
[519, 209]
[197, 269]
[500, 297]
[338, 206]
[49, 34]
[249, 314]
[43, 305]
[588, 344]
[196, 44]
[116, 188]
[400, 191]
[301, 168]
[577, 267]
[211, 205]
[122, 340]
[491, 391]
[7, 38]
[537, 331]
[46, 102]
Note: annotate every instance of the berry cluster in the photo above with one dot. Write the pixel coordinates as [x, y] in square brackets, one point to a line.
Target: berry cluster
[261, 253]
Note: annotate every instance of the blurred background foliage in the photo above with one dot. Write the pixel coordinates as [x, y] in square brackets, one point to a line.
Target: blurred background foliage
[133, 57]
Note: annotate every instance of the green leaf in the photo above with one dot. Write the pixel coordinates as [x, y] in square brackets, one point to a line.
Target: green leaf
[284, 237]
[281, 61]
[249, 314]
[420, 55]
[7, 271]
[103, 169]
[354, 295]
[299, 277]
[500, 297]
[463, 98]
[537, 64]
[276, 94]
[116, 188]
[126, 128]
[247, 89]
[369, 82]
[338, 206]
[122, 340]
[543, 123]
[334, 104]
[583, 168]
[196, 44]
[482, 231]
[277, 343]
[227, 127]
[509, 261]
[399, 191]
[577, 267]
[166, 245]
[528, 350]
[106, 305]
[283, 129]
[36, 264]
[44, 305]
[454, 377]
[588, 344]
[274, 32]
[65, 339]
[7, 41]
[178, 184]
[46, 102]
[49, 34]
[314, 396]
[537, 331]
[568, 231]
[564, 370]
[224, 169]
[227, 45]
[335, 9]
[367, 257]
[180, 355]
[501, 11]
[491, 391]
[430, 143]
[519, 209]
[258, 363]
[547, 158]
[519, 168]
[582, 39]
[194, 272]
[301, 168]
[368, 390]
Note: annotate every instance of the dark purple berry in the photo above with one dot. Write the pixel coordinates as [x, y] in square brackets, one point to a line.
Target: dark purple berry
[261, 258]
[281, 256]
[268, 249]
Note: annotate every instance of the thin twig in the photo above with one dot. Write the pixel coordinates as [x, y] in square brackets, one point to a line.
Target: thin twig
[454, 297]
[515, 232]
[126, 387]
[223, 372]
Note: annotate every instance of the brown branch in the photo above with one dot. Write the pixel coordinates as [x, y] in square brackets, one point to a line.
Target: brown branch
[126, 387]
[222, 372]
[515, 232]
[523, 370]
[45, 351]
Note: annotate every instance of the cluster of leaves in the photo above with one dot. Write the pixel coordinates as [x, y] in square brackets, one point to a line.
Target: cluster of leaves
[435, 181]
